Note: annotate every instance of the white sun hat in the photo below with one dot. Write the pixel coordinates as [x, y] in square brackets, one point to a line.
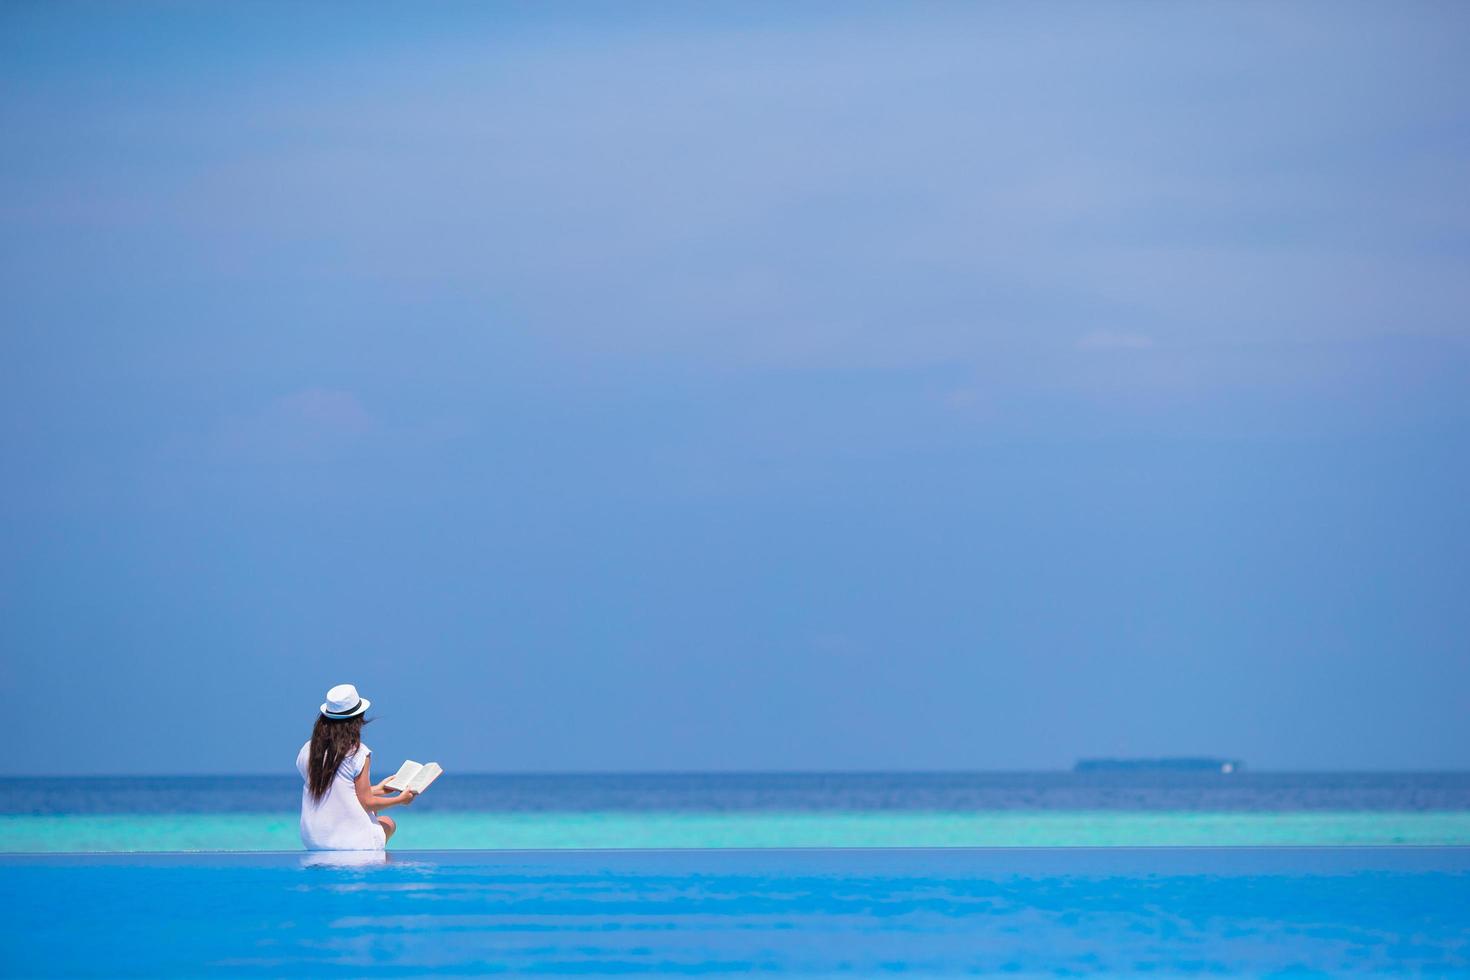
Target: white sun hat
[343, 701]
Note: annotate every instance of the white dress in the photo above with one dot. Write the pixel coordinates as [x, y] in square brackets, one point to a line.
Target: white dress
[338, 822]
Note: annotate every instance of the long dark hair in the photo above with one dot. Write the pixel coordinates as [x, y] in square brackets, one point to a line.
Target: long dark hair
[332, 740]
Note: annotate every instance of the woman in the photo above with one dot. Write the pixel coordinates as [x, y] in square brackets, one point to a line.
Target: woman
[339, 803]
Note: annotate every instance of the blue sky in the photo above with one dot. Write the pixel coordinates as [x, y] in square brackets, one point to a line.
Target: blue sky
[736, 385]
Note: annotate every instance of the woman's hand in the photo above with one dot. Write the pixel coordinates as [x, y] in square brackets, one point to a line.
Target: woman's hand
[406, 797]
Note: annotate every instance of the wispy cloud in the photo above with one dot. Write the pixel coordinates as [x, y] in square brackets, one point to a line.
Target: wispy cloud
[1114, 340]
[306, 424]
[831, 190]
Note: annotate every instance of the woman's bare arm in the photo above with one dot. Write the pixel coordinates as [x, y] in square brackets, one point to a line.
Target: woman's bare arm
[368, 794]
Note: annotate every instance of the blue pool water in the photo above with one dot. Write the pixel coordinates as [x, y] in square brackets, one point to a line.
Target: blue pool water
[1254, 911]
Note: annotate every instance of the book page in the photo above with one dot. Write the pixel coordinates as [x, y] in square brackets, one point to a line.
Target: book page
[400, 779]
[426, 775]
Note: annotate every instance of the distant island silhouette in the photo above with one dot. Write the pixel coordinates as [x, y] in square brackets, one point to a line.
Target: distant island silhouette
[1168, 764]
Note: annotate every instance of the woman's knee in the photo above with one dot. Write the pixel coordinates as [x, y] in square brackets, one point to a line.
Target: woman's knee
[388, 827]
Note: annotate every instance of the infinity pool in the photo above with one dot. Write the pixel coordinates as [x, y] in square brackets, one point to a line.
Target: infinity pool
[811, 912]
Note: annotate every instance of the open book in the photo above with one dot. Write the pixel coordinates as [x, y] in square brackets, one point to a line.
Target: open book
[412, 775]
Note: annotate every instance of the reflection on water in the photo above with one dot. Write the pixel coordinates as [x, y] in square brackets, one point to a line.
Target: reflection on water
[344, 859]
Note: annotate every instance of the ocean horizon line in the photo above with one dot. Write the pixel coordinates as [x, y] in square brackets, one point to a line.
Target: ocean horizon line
[1248, 770]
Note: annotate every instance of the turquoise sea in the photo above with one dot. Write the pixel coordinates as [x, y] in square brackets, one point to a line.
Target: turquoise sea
[1046, 874]
[713, 810]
